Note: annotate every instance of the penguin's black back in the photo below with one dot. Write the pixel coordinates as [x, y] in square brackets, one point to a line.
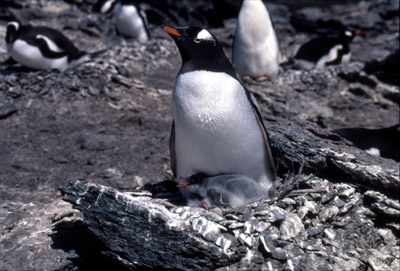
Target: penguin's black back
[386, 140]
[28, 33]
[316, 48]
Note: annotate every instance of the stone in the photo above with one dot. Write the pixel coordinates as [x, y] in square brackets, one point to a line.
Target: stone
[275, 214]
[329, 233]
[250, 225]
[291, 227]
[315, 230]
[208, 229]
[328, 213]
[262, 226]
[312, 206]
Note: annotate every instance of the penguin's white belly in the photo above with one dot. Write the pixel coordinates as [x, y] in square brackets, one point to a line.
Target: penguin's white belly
[257, 58]
[216, 130]
[256, 49]
[31, 57]
[130, 24]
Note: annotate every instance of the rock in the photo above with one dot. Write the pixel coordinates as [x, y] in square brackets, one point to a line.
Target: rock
[328, 213]
[250, 225]
[275, 214]
[329, 233]
[160, 223]
[262, 226]
[97, 142]
[7, 110]
[291, 227]
[315, 230]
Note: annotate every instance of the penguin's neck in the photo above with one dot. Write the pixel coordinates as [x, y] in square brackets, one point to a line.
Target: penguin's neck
[208, 62]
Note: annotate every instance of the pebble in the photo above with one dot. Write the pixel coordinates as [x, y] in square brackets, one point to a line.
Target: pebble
[329, 233]
[328, 213]
[7, 110]
[291, 227]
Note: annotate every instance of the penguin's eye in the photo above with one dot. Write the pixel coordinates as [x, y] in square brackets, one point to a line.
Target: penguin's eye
[196, 40]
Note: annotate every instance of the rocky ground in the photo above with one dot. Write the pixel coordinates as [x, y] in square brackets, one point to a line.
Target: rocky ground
[107, 122]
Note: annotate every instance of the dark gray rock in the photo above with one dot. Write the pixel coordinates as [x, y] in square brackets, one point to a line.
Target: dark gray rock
[97, 142]
[7, 110]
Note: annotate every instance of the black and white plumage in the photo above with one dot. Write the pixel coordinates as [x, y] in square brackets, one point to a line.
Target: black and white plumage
[40, 47]
[384, 142]
[105, 6]
[131, 21]
[326, 50]
[223, 190]
[217, 128]
[255, 47]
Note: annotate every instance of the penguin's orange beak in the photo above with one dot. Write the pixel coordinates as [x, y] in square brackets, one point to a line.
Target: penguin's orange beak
[357, 32]
[171, 31]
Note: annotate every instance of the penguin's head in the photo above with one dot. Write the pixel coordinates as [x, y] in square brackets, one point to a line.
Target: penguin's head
[13, 29]
[194, 42]
[349, 35]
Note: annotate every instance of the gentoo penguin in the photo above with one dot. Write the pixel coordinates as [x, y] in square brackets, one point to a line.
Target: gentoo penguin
[217, 125]
[131, 21]
[326, 50]
[223, 190]
[255, 47]
[40, 47]
[105, 6]
[383, 142]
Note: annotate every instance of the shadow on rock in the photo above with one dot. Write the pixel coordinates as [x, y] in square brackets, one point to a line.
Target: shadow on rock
[82, 248]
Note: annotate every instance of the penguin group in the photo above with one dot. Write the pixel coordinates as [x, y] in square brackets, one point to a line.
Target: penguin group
[219, 145]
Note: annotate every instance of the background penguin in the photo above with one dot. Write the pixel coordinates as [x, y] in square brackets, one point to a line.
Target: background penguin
[131, 21]
[217, 127]
[40, 47]
[326, 50]
[105, 6]
[383, 142]
[223, 190]
[255, 47]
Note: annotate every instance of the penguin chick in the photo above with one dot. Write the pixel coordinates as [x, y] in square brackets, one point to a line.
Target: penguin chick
[227, 190]
[326, 50]
[131, 21]
[384, 142]
[255, 47]
[40, 47]
[217, 125]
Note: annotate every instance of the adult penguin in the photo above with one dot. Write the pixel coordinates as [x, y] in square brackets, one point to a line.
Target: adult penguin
[255, 47]
[217, 125]
[40, 47]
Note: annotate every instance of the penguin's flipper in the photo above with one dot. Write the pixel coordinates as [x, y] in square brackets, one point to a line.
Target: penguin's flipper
[172, 149]
[45, 49]
[145, 21]
[257, 112]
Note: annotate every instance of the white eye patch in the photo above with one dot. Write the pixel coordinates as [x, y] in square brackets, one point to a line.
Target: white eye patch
[52, 46]
[348, 33]
[15, 24]
[204, 35]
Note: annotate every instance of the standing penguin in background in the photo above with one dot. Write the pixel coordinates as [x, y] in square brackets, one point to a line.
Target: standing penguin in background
[40, 47]
[255, 47]
[217, 125]
[131, 21]
[326, 50]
